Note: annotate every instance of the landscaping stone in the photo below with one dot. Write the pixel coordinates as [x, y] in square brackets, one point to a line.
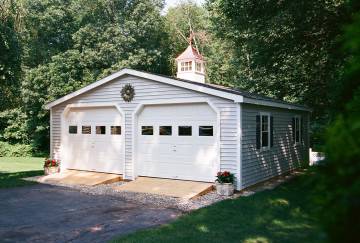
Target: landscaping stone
[172, 202]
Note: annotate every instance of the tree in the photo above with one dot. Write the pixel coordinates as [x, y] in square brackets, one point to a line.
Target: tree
[10, 56]
[46, 29]
[110, 35]
[178, 21]
[339, 177]
[289, 50]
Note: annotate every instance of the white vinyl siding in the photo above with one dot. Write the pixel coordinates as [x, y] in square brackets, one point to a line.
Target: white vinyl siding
[148, 91]
[284, 156]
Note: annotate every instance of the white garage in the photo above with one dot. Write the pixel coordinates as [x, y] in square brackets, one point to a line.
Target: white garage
[93, 140]
[136, 124]
[177, 141]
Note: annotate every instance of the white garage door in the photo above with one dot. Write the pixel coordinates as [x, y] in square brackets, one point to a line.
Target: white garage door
[93, 140]
[177, 141]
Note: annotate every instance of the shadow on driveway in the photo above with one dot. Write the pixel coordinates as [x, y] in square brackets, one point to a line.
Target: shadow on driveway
[44, 213]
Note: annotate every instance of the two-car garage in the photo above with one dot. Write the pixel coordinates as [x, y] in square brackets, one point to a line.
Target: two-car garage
[176, 141]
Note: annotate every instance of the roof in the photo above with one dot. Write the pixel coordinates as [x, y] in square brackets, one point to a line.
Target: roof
[190, 53]
[236, 95]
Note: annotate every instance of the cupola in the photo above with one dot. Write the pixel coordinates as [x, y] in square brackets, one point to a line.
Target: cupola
[190, 65]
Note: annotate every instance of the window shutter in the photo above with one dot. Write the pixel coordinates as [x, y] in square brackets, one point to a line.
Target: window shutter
[271, 131]
[258, 131]
[302, 130]
[293, 129]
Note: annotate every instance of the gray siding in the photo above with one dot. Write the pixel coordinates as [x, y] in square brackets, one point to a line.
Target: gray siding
[284, 156]
[147, 91]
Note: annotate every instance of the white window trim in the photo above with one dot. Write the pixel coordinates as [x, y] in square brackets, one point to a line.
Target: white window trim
[201, 67]
[261, 132]
[186, 66]
[297, 120]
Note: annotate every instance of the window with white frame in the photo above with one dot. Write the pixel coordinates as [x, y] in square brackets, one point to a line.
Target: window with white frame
[198, 66]
[265, 131]
[297, 127]
[186, 66]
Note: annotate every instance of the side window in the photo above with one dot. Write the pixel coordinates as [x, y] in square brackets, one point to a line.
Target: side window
[206, 131]
[296, 129]
[147, 130]
[185, 130]
[165, 130]
[265, 127]
[115, 130]
[264, 131]
[73, 129]
[86, 129]
[100, 130]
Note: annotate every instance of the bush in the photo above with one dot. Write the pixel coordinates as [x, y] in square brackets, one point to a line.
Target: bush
[15, 150]
[13, 126]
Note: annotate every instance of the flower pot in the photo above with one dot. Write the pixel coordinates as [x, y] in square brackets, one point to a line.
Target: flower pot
[51, 170]
[225, 189]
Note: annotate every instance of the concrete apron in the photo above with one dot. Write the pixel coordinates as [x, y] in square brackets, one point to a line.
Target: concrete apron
[77, 177]
[167, 187]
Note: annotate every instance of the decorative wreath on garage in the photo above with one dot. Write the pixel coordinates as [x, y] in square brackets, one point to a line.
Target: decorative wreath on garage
[128, 92]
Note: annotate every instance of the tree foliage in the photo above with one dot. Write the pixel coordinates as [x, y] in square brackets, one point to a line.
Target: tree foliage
[179, 21]
[10, 56]
[287, 49]
[339, 179]
[101, 37]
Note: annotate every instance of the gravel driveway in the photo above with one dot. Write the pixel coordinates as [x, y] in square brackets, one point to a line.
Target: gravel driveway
[45, 213]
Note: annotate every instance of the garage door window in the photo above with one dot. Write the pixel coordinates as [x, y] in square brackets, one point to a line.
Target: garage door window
[73, 129]
[100, 130]
[165, 130]
[185, 130]
[147, 130]
[86, 129]
[115, 130]
[206, 131]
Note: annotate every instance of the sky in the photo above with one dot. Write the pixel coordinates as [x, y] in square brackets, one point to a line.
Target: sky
[171, 3]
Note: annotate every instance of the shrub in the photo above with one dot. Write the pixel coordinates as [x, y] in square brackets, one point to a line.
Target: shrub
[15, 150]
[13, 126]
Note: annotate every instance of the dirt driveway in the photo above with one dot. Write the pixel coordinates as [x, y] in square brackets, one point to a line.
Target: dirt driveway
[44, 213]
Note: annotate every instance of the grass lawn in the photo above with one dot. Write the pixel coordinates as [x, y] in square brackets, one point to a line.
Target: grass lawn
[12, 169]
[280, 215]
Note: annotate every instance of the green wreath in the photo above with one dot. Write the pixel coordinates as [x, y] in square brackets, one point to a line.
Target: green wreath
[128, 92]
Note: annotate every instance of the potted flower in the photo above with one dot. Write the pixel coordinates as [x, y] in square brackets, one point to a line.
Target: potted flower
[51, 166]
[225, 183]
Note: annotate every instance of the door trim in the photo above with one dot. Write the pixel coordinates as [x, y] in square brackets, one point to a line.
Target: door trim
[91, 105]
[139, 108]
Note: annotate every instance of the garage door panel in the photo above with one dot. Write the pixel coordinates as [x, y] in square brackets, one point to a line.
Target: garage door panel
[191, 157]
[94, 152]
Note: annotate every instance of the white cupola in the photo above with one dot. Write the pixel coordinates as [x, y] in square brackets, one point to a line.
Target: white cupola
[190, 65]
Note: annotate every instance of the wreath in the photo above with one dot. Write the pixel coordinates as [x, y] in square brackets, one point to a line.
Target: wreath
[128, 92]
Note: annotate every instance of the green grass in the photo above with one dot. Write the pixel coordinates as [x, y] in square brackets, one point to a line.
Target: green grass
[284, 214]
[13, 169]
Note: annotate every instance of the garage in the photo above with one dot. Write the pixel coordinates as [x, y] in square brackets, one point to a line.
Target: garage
[93, 140]
[177, 141]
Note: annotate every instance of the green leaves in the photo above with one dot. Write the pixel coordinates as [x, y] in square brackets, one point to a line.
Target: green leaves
[78, 42]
